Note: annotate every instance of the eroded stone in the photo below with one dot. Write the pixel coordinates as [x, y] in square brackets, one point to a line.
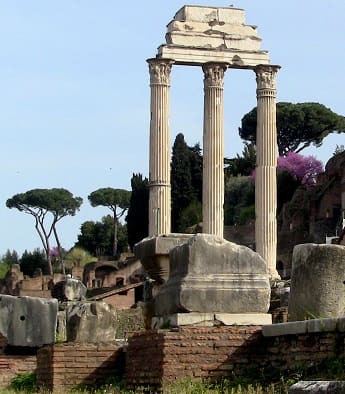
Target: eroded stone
[210, 274]
[317, 282]
[28, 321]
[93, 321]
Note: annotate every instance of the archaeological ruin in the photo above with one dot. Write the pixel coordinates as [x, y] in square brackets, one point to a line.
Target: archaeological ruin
[206, 304]
[215, 39]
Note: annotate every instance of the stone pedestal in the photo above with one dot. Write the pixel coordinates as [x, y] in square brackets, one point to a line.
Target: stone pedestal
[211, 275]
[265, 174]
[213, 161]
[159, 168]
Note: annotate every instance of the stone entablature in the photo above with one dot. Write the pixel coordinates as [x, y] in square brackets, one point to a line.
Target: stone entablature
[198, 35]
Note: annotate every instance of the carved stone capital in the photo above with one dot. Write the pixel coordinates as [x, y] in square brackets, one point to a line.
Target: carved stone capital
[266, 76]
[160, 71]
[214, 74]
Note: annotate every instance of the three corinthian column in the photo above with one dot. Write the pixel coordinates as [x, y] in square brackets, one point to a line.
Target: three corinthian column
[213, 145]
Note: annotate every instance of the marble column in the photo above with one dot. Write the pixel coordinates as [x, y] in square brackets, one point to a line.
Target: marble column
[213, 147]
[159, 167]
[266, 163]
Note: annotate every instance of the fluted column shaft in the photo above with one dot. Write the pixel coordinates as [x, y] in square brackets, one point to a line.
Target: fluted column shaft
[213, 146]
[266, 163]
[159, 167]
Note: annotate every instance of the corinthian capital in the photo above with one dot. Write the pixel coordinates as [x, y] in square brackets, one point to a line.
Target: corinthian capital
[160, 71]
[214, 74]
[266, 76]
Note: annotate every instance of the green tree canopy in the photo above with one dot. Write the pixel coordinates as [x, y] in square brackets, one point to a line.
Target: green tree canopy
[239, 200]
[117, 200]
[97, 237]
[196, 170]
[298, 125]
[10, 257]
[241, 165]
[31, 261]
[78, 257]
[48, 207]
[138, 212]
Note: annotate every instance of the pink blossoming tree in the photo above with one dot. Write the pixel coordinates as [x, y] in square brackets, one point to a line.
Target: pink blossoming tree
[302, 168]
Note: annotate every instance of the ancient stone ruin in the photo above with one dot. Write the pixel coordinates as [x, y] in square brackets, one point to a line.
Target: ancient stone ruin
[317, 282]
[28, 321]
[211, 294]
[215, 39]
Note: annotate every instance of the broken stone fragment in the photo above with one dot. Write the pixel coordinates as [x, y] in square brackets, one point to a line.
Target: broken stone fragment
[28, 321]
[90, 321]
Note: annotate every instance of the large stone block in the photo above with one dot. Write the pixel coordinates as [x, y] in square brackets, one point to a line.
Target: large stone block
[93, 321]
[317, 282]
[222, 15]
[210, 274]
[153, 253]
[28, 321]
[198, 35]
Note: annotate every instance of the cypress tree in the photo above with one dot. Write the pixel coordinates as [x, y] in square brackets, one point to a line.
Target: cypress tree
[138, 212]
[181, 181]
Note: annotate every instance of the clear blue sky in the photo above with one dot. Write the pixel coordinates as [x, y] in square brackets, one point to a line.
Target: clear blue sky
[74, 91]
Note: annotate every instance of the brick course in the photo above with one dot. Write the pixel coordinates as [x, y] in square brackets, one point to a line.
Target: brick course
[12, 365]
[62, 366]
[158, 357]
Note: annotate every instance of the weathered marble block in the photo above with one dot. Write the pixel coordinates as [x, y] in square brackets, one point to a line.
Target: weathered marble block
[317, 282]
[90, 321]
[210, 274]
[28, 321]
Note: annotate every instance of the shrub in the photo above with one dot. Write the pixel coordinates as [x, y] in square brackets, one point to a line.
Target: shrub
[25, 381]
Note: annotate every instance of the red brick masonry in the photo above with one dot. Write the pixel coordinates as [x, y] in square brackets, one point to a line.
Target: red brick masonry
[158, 357]
[12, 365]
[63, 366]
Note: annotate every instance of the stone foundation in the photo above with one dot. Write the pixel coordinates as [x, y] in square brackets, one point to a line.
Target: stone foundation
[155, 358]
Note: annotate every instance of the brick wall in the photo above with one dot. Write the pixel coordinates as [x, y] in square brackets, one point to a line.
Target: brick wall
[157, 357]
[62, 366]
[12, 365]
[161, 356]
